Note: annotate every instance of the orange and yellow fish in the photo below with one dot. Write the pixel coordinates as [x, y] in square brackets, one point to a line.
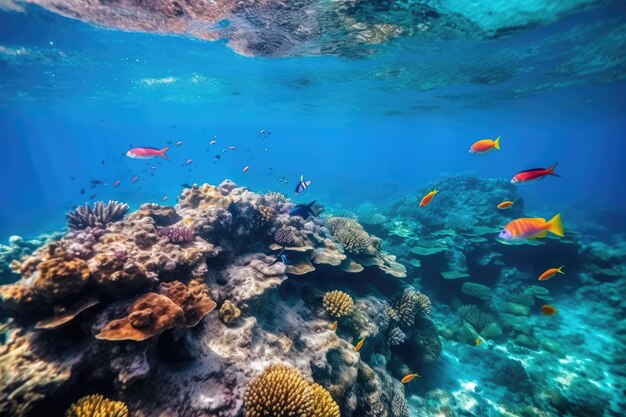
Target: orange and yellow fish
[485, 146]
[333, 326]
[505, 205]
[478, 341]
[548, 310]
[428, 198]
[551, 272]
[409, 378]
[359, 345]
[532, 228]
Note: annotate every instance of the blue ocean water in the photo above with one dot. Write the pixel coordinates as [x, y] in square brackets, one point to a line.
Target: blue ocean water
[371, 113]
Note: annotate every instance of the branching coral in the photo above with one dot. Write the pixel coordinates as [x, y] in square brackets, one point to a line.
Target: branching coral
[472, 314]
[177, 234]
[351, 235]
[406, 307]
[281, 391]
[275, 197]
[266, 213]
[396, 336]
[101, 214]
[338, 303]
[97, 406]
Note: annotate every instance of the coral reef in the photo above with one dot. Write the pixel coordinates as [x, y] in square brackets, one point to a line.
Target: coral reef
[406, 307]
[97, 406]
[338, 303]
[177, 234]
[102, 214]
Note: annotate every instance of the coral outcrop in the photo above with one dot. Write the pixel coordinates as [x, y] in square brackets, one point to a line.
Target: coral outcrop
[99, 216]
[338, 303]
[97, 406]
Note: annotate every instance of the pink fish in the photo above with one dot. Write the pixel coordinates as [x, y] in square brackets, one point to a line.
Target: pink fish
[232, 148]
[246, 168]
[180, 142]
[135, 178]
[147, 153]
[117, 183]
[213, 142]
[188, 161]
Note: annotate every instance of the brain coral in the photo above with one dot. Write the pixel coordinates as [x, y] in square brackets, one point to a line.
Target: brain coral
[280, 391]
[97, 406]
[338, 303]
[408, 306]
[351, 235]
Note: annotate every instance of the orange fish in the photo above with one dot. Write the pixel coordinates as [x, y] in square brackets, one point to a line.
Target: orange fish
[333, 326]
[551, 272]
[247, 167]
[532, 228]
[505, 205]
[409, 378]
[484, 146]
[548, 310]
[428, 198]
[359, 345]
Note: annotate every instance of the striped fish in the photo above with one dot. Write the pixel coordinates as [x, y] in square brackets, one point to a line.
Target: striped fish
[532, 228]
[302, 185]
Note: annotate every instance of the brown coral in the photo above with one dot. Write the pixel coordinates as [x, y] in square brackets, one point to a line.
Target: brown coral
[338, 303]
[194, 299]
[406, 307]
[149, 316]
[97, 406]
[229, 312]
[18, 297]
[201, 197]
[280, 391]
[64, 315]
[351, 235]
[61, 276]
[266, 213]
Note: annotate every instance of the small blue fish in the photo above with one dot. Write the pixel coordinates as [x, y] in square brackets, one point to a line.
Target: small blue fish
[303, 210]
[281, 257]
[302, 185]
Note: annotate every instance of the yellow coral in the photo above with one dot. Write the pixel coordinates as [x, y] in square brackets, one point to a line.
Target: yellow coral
[97, 406]
[338, 303]
[324, 406]
[280, 391]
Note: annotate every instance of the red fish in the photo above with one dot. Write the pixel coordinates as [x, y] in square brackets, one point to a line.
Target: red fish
[147, 153]
[532, 228]
[505, 205]
[548, 310]
[533, 175]
[117, 183]
[428, 198]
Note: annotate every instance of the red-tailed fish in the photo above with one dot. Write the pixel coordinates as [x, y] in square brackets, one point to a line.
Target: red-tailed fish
[409, 378]
[117, 183]
[359, 345]
[428, 198]
[135, 178]
[485, 146]
[548, 310]
[246, 168]
[147, 153]
[551, 272]
[534, 174]
[505, 205]
[532, 228]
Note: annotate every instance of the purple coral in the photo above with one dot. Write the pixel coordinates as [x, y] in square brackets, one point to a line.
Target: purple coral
[177, 234]
[284, 236]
